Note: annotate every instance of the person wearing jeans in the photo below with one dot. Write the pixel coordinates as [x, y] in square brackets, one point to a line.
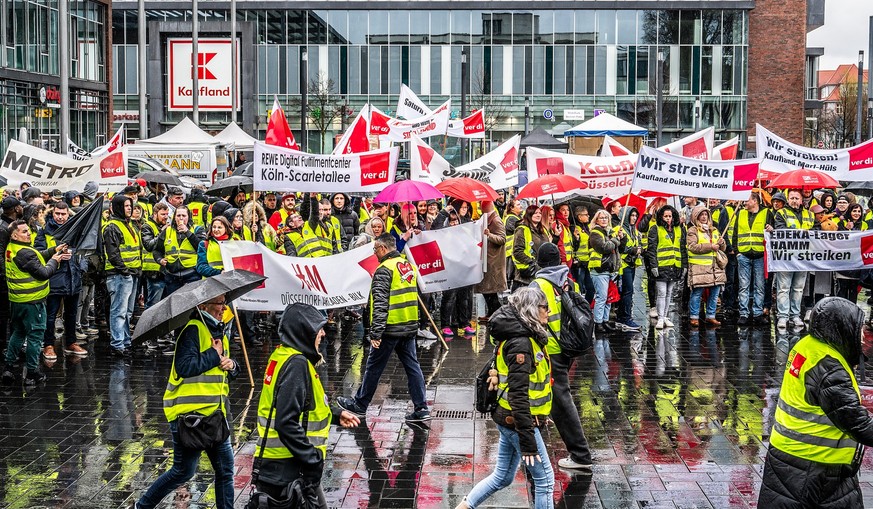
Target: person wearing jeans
[751, 276]
[524, 398]
[789, 285]
[704, 245]
[122, 245]
[667, 257]
[747, 238]
[603, 261]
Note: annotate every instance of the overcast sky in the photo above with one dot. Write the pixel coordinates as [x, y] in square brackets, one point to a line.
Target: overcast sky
[847, 23]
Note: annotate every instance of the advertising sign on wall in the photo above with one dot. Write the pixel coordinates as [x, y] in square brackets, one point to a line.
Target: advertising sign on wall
[213, 67]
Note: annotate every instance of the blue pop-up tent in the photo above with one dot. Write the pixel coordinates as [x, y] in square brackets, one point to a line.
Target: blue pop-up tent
[604, 124]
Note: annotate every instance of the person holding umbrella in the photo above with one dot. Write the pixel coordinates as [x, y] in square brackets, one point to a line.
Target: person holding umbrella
[196, 397]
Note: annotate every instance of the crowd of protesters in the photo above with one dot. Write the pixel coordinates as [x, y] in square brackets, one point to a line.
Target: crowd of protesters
[699, 262]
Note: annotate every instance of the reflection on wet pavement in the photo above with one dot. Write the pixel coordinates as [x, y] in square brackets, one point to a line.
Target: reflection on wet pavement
[675, 418]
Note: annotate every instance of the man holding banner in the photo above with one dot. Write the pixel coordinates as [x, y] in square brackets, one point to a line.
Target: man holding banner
[748, 238]
[789, 285]
[393, 328]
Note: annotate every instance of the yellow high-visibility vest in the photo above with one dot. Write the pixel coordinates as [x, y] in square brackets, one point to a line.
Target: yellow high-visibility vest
[540, 387]
[202, 394]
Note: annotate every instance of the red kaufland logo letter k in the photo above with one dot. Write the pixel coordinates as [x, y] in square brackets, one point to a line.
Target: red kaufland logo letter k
[203, 72]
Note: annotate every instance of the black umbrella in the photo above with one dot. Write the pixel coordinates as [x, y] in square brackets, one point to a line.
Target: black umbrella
[173, 312]
[83, 231]
[229, 185]
[245, 170]
[159, 177]
[864, 188]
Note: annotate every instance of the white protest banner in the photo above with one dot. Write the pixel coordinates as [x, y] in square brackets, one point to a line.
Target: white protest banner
[604, 175]
[448, 258]
[409, 106]
[394, 129]
[611, 147]
[498, 168]
[47, 170]
[76, 152]
[668, 173]
[282, 169]
[114, 143]
[315, 281]
[809, 250]
[695, 146]
[727, 151]
[425, 164]
[471, 127]
[779, 155]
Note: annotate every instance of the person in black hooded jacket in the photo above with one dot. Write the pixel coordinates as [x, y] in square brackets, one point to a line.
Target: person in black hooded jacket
[341, 208]
[820, 425]
[121, 277]
[289, 371]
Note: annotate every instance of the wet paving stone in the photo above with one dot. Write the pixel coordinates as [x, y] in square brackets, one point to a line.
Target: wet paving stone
[675, 418]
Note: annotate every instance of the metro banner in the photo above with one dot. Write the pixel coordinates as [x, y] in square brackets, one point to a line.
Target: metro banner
[498, 168]
[314, 281]
[447, 258]
[668, 173]
[47, 170]
[605, 176]
[848, 164]
[394, 129]
[810, 250]
[282, 169]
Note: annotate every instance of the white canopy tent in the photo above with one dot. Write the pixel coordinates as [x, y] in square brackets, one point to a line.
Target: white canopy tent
[185, 132]
[235, 136]
[606, 124]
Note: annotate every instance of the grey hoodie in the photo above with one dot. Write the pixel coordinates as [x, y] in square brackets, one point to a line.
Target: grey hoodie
[556, 275]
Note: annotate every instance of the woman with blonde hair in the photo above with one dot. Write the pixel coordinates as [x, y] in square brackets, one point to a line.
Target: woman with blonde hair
[606, 245]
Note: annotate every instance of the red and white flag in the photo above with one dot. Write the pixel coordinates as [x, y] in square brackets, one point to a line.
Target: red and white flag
[448, 258]
[472, 127]
[695, 146]
[394, 129]
[612, 148]
[425, 164]
[727, 151]
[114, 143]
[278, 132]
[409, 106]
[355, 139]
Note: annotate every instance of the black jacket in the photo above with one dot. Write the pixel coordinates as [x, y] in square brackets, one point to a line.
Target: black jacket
[608, 247]
[194, 236]
[113, 238]
[347, 218]
[666, 273]
[505, 326]
[789, 481]
[292, 395]
[29, 262]
[67, 279]
[380, 288]
[5, 237]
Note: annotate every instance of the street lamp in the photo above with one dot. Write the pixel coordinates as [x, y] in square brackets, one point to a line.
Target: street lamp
[526, 115]
[869, 116]
[659, 97]
[463, 100]
[860, 111]
[304, 73]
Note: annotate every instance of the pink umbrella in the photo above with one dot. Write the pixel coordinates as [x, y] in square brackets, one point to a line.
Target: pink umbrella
[408, 191]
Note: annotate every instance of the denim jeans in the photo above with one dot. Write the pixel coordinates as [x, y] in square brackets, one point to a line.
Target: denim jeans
[665, 297]
[626, 303]
[378, 359]
[601, 289]
[586, 285]
[71, 308]
[711, 302]
[85, 298]
[154, 290]
[122, 299]
[184, 467]
[789, 292]
[751, 272]
[508, 460]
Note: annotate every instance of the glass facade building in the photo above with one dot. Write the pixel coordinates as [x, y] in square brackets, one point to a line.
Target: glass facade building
[583, 59]
[30, 94]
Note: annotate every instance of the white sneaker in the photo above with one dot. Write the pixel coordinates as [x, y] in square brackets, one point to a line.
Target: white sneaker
[667, 322]
[660, 324]
[653, 312]
[569, 464]
[426, 334]
[797, 322]
[782, 323]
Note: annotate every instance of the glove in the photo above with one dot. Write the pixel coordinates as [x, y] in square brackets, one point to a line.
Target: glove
[312, 474]
[655, 271]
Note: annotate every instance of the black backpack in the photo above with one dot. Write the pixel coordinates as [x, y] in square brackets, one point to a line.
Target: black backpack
[577, 323]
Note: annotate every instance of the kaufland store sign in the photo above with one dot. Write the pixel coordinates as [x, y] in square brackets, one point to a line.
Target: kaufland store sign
[213, 68]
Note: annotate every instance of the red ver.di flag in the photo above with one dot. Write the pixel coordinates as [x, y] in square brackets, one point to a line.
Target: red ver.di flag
[392, 129]
[281, 169]
[315, 281]
[694, 146]
[672, 174]
[498, 168]
[448, 258]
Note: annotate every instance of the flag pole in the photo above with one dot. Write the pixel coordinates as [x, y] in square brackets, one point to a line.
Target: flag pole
[242, 342]
[432, 323]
